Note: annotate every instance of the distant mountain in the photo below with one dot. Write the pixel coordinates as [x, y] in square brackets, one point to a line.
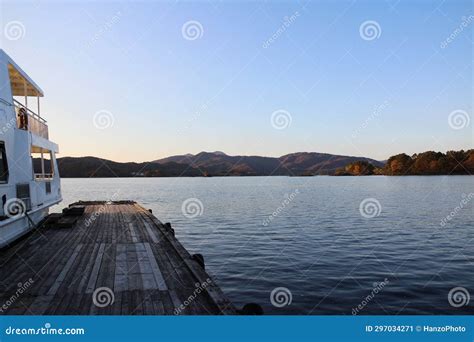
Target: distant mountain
[181, 158]
[297, 164]
[96, 167]
[220, 164]
[209, 164]
[294, 164]
[313, 163]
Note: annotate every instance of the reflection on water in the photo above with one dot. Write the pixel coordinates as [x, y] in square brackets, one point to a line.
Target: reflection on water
[313, 242]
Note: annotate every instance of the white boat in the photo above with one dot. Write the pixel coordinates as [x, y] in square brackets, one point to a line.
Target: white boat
[29, 177]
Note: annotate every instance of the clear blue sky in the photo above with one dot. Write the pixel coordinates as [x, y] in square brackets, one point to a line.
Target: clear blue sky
[345, 94]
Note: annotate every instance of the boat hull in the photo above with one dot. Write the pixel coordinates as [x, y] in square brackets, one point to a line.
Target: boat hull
[15, 227]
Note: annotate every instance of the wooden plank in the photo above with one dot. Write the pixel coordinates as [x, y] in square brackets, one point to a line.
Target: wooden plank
[40, 305]
[145, 269]
[108, 267]
[121, 273]
[160, 281]
[91, 285]
[175, 299]
[151, 233]
[125, 302]
[158, 308]
[133, 233]
[81, 268]
[59, 280]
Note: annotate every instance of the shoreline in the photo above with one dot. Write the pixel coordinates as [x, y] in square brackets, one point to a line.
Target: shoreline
[260, 176]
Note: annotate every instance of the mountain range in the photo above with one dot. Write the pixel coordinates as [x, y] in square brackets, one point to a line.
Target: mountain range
[211, 164]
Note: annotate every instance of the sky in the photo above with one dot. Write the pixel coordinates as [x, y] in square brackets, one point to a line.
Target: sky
[142, 80]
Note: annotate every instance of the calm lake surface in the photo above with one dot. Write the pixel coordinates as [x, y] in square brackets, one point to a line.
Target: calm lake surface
[308, 235]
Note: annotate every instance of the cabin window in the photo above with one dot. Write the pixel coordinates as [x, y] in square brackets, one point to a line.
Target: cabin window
[43, 168]
[3, 164]
[47, 185]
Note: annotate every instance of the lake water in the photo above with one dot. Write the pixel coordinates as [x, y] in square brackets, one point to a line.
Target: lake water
[307, 240]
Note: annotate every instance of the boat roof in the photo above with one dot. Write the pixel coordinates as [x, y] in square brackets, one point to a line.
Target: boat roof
[19, 78]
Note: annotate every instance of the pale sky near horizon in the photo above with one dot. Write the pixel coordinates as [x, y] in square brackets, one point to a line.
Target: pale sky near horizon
[127, 81]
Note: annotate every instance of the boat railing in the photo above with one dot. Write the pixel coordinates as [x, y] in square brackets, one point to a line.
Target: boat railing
[30, 121]
[43, 176]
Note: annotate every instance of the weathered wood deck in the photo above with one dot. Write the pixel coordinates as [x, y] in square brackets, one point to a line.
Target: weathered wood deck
[117, 259]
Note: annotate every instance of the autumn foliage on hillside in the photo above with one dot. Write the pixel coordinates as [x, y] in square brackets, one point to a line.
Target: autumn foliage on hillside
[432, 163]
[358, 168]
[426, 163]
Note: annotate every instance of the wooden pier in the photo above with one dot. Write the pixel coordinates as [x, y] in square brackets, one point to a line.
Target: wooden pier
[112, 258]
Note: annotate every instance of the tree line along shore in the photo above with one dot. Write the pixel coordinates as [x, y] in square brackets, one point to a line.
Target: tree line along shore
[426, 163]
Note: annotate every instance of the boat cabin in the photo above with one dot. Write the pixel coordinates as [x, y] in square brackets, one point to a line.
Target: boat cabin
[29, 178]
